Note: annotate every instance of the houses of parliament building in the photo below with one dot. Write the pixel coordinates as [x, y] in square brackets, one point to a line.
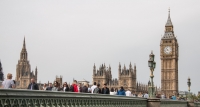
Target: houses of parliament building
[127, 77]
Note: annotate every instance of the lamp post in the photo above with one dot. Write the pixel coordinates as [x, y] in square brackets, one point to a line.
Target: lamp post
[152, 66]
[189, 84]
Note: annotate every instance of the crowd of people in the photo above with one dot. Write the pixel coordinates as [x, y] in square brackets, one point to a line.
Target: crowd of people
[77, 87]
[74, 87]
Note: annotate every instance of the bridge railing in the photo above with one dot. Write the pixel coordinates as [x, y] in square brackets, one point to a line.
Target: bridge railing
[197, 104]
[172, 103]
[30, 98]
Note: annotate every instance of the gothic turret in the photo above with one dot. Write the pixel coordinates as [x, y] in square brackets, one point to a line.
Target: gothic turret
[24, 55]
[119, 70]
[94, 70]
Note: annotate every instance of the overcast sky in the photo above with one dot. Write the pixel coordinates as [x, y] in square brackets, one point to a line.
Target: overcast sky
[67, 37]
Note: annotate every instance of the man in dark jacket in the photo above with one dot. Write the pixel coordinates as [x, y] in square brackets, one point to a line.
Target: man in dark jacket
[33, 85]
[49, 88]
[105, 90]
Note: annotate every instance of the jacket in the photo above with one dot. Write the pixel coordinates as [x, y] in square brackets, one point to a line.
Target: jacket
[75, 88]
[34, 86]
[49, 88]
[121, 92]
[105, 91]
[85, 89]
[66, 89]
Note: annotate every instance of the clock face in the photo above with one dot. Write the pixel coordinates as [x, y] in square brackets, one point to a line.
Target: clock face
[167, 50]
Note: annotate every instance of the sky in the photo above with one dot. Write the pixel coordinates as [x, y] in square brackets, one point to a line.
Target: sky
[67, 37]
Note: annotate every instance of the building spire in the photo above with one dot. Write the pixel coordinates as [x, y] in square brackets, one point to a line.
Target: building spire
[169, 22]
[24, 44]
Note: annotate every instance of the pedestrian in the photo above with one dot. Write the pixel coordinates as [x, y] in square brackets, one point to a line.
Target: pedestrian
[173, 97]
[146, 95]
[44, 87]
[116, 90]
[163, 96]
[89, 88]
[8, 83]
[128, 93]
[75, 87]
[140, 95]
[112, 92]
[93, 87]
[121, 91]
[49, 88]
[97, 90]
[85, 88]
[79, 87]
[134, 94]
[33, 85]
[55, 87]
[65, 87]
[105, 89]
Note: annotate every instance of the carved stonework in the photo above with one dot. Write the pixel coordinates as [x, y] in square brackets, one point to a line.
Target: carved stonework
[23, 70]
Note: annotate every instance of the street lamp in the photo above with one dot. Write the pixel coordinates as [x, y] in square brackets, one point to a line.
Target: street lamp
[189, 84]
[152, 66]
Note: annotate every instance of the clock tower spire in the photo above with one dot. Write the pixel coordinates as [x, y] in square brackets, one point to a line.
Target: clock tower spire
[169, 60]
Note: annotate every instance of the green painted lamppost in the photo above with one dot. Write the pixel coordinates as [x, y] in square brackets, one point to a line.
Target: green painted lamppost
[152, 66]
[189, 84]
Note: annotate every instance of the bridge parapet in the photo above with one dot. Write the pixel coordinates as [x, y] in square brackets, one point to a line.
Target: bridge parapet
[172, 103]
[197, 104]
[30, 98]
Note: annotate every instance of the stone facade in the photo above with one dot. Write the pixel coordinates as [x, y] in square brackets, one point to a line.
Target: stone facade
[126, 78]
[169, 60]
[23, 70]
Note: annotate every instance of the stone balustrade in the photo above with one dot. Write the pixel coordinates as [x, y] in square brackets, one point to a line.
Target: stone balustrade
[172, 103]
[197, 104]
[31, 98]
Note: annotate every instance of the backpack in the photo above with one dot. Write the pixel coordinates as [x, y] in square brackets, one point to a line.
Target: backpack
[71, 88]
[96, 90]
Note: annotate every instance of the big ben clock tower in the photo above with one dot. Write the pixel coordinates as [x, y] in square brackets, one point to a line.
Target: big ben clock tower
[169, 60]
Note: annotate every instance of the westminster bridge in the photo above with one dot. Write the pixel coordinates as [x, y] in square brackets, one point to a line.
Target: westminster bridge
[30, 98]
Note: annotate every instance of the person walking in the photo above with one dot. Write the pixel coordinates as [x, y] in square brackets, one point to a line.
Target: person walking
[128, 93]
[146, 95]
[163, 96]
[44, 87]
[140, 95]
[56, 86]
[49, 88]
[85, 88]
[173, 97]
[75, 87]
[105, 89]
[8, 83]
[121, 91]
[97, 90]
[134, 94]
[65, 87]
[80, 87]
[89, 89]
[33, 85]
[112, 92]
[93, 87]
